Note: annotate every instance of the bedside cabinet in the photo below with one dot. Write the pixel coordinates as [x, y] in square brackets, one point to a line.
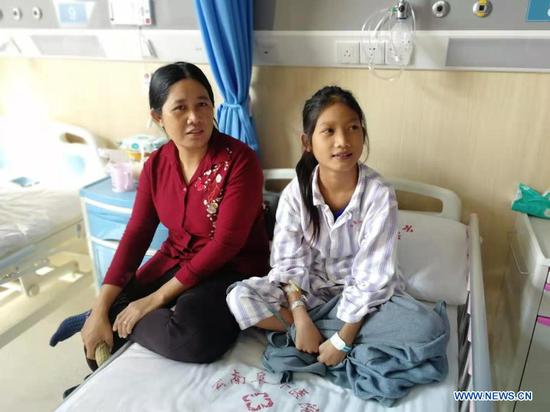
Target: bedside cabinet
[522, 323]
[106, 214]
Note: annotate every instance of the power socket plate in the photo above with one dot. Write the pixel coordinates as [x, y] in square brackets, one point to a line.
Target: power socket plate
[373, 52]
[347, 52]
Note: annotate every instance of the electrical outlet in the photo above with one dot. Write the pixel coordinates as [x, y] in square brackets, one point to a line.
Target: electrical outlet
[347, 52]
[373, 52]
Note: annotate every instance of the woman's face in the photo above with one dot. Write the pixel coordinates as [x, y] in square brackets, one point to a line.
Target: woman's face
[188, 115]
[337, 140]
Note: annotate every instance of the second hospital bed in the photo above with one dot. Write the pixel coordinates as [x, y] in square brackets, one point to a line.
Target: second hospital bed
[42, 166]
[136, 379]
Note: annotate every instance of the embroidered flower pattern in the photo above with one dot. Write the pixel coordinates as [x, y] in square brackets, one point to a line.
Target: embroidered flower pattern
[210, 183]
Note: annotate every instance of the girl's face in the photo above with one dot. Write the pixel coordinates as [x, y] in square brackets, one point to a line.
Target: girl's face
[187, 115]
[337, 140]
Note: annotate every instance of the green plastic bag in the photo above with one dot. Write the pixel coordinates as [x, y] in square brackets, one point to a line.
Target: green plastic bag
[529, 201]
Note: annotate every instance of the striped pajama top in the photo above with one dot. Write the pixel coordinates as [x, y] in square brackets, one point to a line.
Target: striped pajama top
[354, 255]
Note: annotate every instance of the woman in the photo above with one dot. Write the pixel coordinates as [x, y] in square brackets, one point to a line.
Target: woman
[206, 188]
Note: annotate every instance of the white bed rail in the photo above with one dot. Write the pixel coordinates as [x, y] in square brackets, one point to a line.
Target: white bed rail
[481, 366]
[279, 174]
[23, 264]
[451, 204]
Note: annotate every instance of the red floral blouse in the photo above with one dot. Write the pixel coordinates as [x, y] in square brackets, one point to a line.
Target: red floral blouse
[215, 222]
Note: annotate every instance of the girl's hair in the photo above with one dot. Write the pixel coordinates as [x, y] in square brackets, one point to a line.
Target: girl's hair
[313, 108]
[164, 77]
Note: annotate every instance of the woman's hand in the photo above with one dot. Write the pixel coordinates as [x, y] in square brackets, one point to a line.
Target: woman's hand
[96, 329]
[329, 355]
[308, 337]
[132, 314]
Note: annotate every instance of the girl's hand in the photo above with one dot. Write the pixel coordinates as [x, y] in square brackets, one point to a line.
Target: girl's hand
[96, 329]
[308, 337]
[132, 314]
[329, 355]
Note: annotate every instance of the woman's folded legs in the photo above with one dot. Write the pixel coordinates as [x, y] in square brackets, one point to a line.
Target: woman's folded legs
[199, 329]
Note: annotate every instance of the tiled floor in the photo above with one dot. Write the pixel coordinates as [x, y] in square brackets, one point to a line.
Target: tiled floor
[34, 375]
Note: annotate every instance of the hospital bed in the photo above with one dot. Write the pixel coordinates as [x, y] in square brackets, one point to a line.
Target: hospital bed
[136, 379]
[42, 166]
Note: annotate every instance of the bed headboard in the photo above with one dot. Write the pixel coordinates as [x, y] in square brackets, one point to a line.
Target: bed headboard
[49, 150]
[80, 150]
[451, 204]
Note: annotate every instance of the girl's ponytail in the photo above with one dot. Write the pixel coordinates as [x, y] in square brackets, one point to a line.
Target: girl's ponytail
[304, 171]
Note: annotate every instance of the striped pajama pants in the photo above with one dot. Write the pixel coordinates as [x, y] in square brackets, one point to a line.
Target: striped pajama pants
[250, 307]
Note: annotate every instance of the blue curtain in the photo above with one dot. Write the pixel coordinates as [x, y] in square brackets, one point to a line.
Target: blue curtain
[226, 28]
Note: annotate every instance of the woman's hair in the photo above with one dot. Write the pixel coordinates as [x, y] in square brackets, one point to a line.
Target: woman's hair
[164, 77]
[313, 108]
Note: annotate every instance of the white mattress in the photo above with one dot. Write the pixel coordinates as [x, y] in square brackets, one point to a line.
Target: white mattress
[29, 214]
[140, 380]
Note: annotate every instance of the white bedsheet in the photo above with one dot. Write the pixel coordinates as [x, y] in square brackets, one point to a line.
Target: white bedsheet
[140, 380]
[29, 214]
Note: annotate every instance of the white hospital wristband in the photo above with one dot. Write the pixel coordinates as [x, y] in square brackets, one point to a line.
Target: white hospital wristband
[339, 344]
[296, 304]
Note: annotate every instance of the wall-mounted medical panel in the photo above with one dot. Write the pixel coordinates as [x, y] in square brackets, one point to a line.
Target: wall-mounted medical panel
[125, 45]
[503, 53]
[100, 14]
[343, 15]
[287, 33]
[276, 15]
[56, 45]
[433, 50]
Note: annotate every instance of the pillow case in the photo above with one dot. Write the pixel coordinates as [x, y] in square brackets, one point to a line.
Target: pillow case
[432, 256]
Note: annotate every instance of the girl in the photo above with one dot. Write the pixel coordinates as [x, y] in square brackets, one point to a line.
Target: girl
[206, 188]
[336, 235]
